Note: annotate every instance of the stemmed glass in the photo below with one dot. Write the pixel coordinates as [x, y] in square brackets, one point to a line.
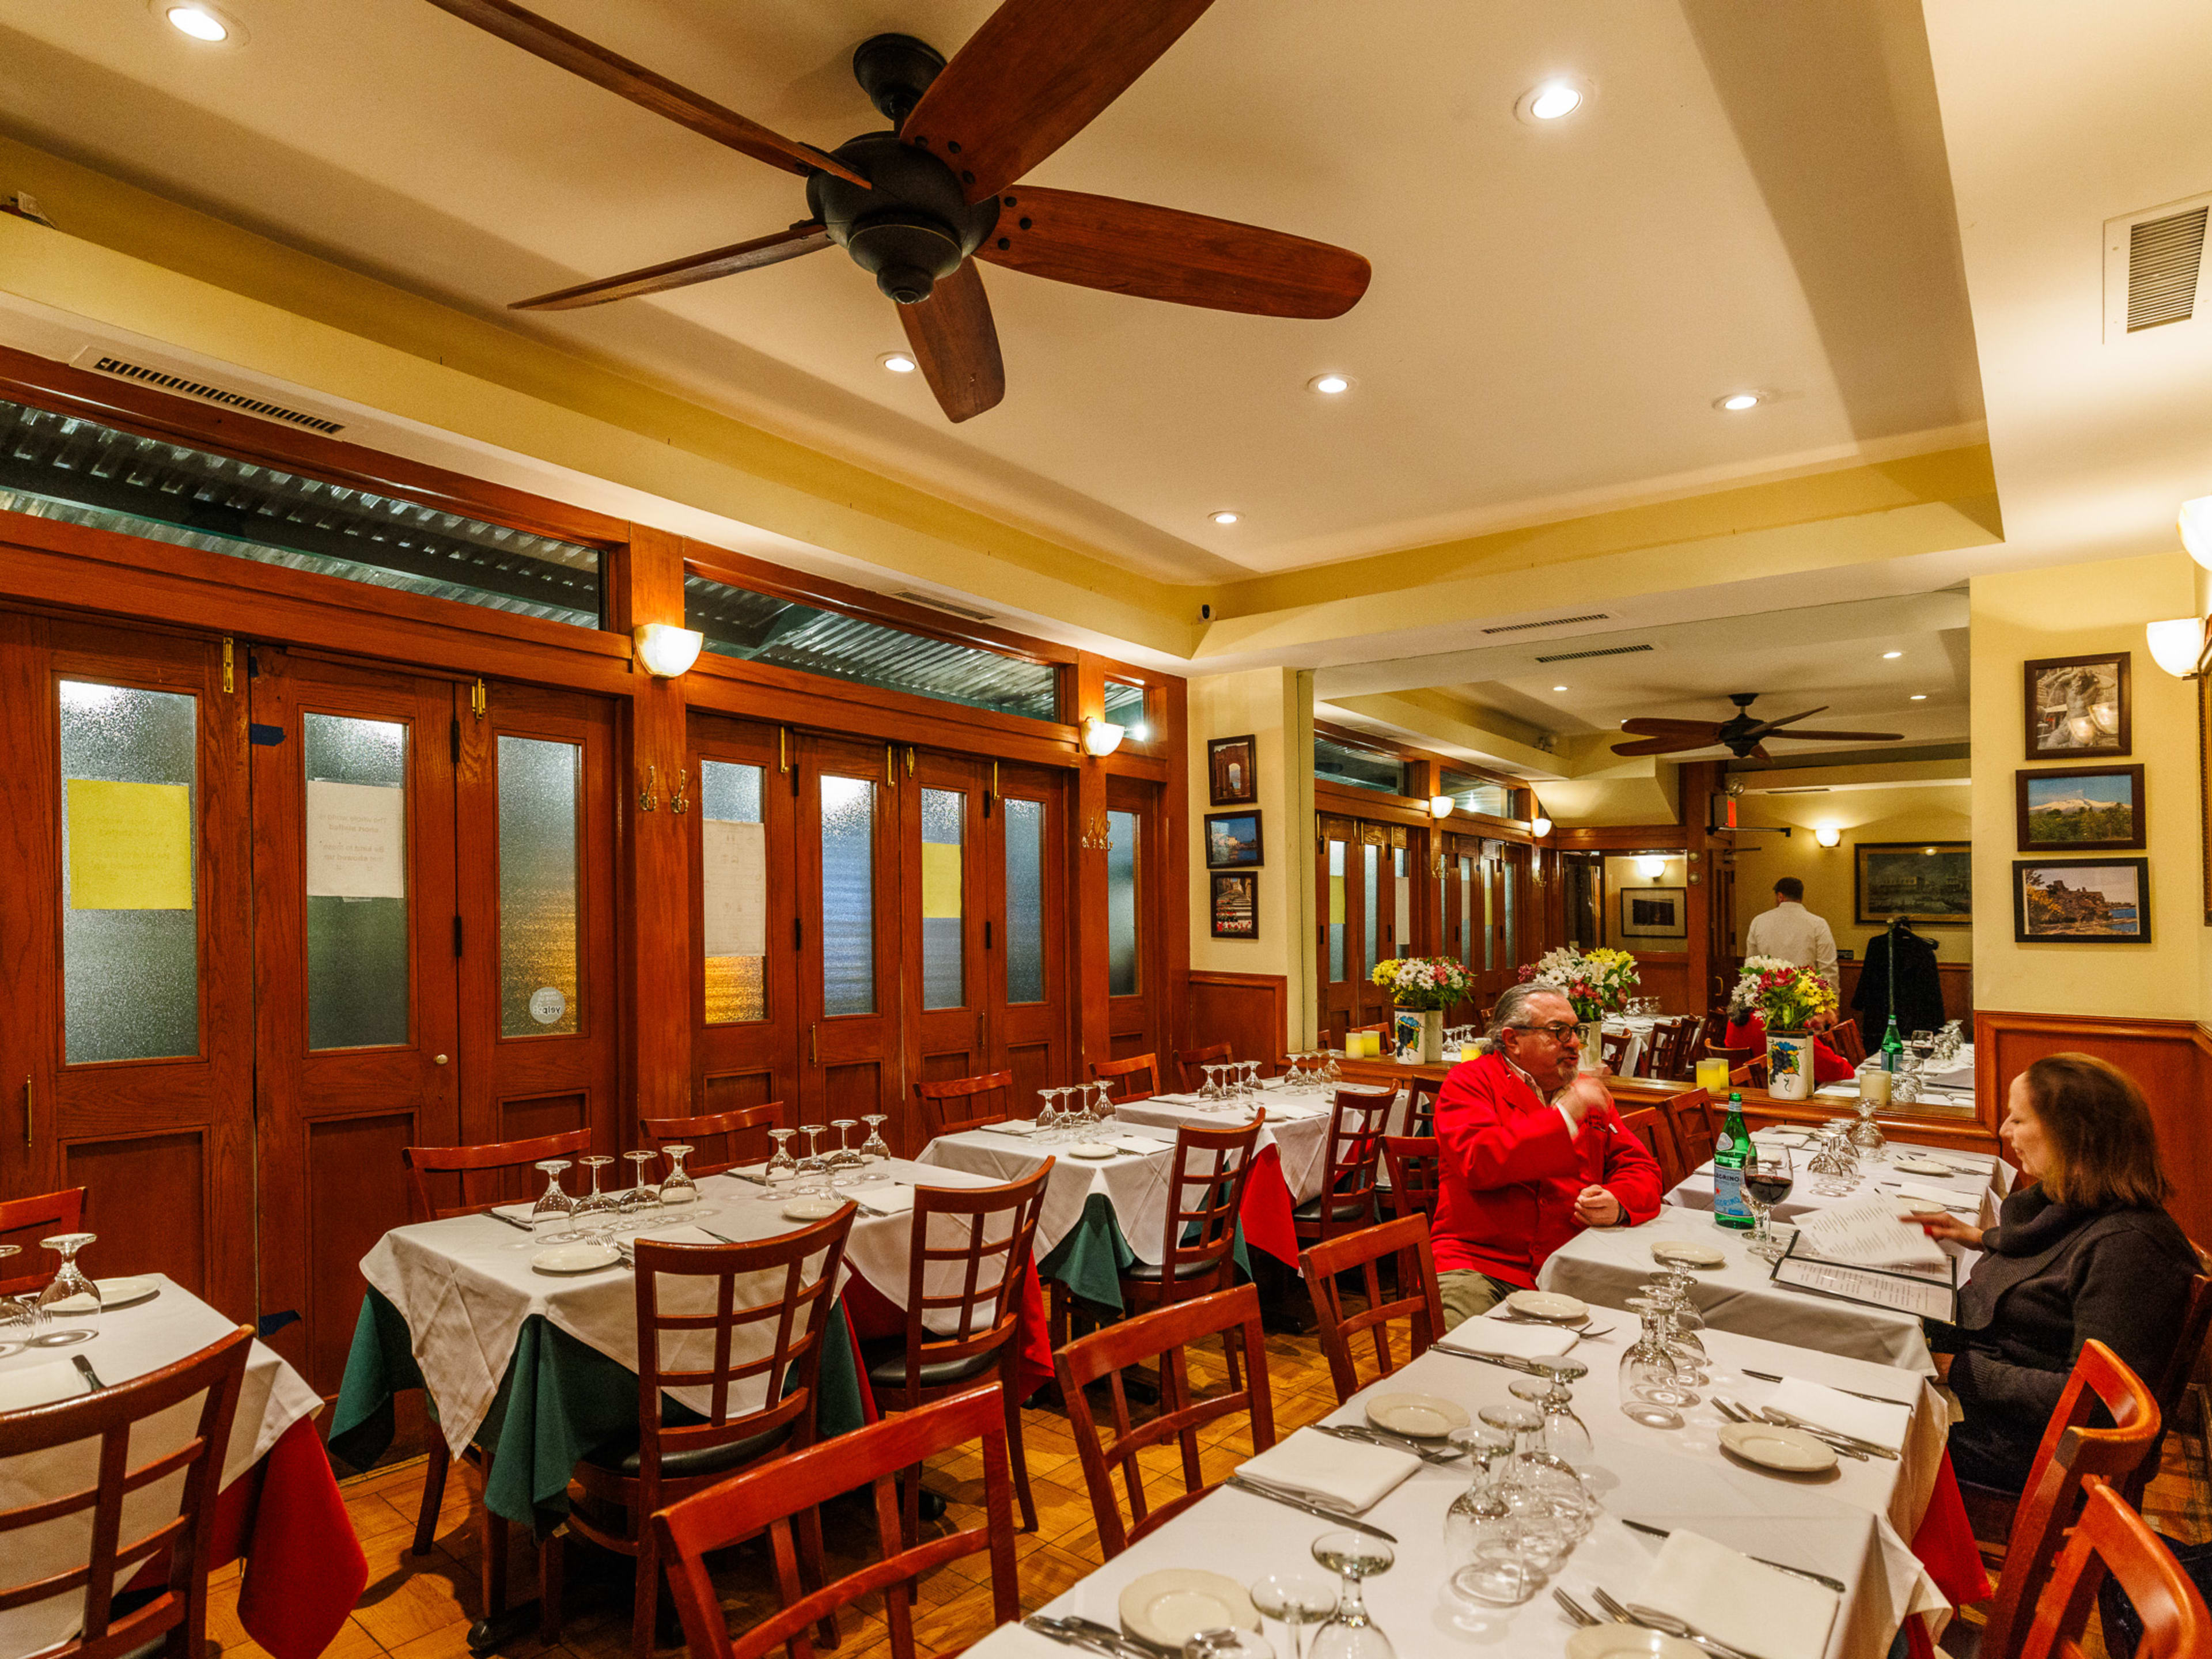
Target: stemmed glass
[1102, 1105]
[842, 1157]
[874, 1150]
[1651, 1388]
[1351, 1632]
[553, 1204]
[1767, 1179]
[1211, 1089]
[813, 1169]
[1047, 1117]
[1563, 1432]
[643, 1194]
[595, 1211]
[68, 1283]
[1298, 1598]
[676, 1186]
[1539, 1485]
[1482, 1534]
[18, 1318]
[781, 1166]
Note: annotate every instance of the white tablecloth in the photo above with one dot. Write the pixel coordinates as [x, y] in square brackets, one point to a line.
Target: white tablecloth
[1978, 1189]
[131, 1342]
[1135, 1183]
[1298, 1127]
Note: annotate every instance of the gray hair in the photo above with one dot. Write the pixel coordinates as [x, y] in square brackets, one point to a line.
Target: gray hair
[1513, 1003]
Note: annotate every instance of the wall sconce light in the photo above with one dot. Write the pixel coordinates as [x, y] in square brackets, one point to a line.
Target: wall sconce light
[2177, 644]
[1539, 826]
[1827, 836]
[1440, 806]
[1651, 868]
[2195, 525]
[1100, 737]
[667, 650]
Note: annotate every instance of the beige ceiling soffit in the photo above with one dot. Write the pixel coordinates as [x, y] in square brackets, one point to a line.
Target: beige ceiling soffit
[1892, 775]
[176, 275]
[1653, 798]
[1428, 718]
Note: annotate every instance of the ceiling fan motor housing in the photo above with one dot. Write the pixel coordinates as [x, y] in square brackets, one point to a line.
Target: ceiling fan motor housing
[913, 227]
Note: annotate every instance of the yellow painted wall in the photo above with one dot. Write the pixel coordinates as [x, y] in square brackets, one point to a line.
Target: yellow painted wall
[2073, 611]
[1924, 813]
[1622, 876]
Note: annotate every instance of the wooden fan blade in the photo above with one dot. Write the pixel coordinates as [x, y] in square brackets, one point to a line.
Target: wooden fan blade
[1664, 745]
[957, 344]
[1764, 726]
[1758, 752]
[1033, 77]
[1643, 728]
[1161, 253]
[809, 238]
[1845, 736]
[545, 38]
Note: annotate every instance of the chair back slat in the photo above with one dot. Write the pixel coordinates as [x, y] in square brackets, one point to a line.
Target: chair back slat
[1652, 1126]
[752, 1122]
[1416, 1168]
[1190, 1064]
[1689, 1116]
[2112, 1538]
[1668, 1053]
[1357, 1122]
[1162, 1336]
[950, 1105]
[991, 1230]
[1844, 1036]
[1612, 1048]
[495, 1161]
[1418, 1301]
[25, 1221]
[1422, 1094]
[1137, 1078]
[1204, 1194]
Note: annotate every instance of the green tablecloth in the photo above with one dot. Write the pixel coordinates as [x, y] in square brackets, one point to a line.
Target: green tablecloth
[561, 1399]
[1091, 1259]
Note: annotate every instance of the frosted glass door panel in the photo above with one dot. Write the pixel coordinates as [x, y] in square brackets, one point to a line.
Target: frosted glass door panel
[943, 982]
[539, 781]
[848, 896]
[1024, 901]
[1402, 939]
[1336, 923]
[1466, 912]
[357, 881]
[1489, 915]
[1121, 904]
[734, 843]
[130, 918]
[1371, 862]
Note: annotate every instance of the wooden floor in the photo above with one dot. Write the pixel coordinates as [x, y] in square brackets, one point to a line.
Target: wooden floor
[422, 1608]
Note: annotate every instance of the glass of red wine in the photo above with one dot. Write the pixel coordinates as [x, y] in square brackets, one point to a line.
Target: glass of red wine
[1767, 1178]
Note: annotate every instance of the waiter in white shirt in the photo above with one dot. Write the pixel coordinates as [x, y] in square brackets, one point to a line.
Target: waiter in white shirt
[1795, 934]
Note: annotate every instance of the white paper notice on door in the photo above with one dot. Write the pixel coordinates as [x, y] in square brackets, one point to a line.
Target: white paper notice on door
[735, 887]
[356, 841]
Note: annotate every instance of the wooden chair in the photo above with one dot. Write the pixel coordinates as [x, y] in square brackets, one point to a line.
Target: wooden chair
[765, 1500]
[1418, 1300]
[1160, 1336]
[1650, 1124]
[174, 1622]
[667, 1461]
[496, 1158]
[1123, 1075]
[1668, 1053]
[39, 1216]
[2112, 1538]
[1708, 1033]
[1416, 1168]
[2174, 1382]
[954, 1246]
[754, 1121]
[2070, 1453]
[1356, 1124]
[1197, 1253]
[1190, 1062]
[1613, 1049]
[1422, 1094]
[942, 1118]
[1844, 1037]
[1689, 1117]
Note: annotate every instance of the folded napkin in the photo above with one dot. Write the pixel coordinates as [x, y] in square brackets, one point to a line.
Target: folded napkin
[1963, 1202]
[1507, 1339]
[1735, 1600]
[40, 1385]
[516, 1211]
[1140, 1144]
[755, 1173]
[1846, 1414]
[884, 1197]
[1344, 1472]
[1014, 1126]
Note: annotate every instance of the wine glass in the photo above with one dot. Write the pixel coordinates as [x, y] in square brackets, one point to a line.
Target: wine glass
[1767, 1179]
[18, 1318]
[1652, 1391]
[874, 1150]
[781, 1166]
[1211, 1089]
[643, 1194]
[1351, 1632]
[676, 1186]
[1563, 1432]
[1483, 1536]
[842, 1157]
[1047, 1117]
[553, 1204]
[70, 1299]
[1102, 1105]
[1298, 1598]
[813, 1169]
[595, 1211]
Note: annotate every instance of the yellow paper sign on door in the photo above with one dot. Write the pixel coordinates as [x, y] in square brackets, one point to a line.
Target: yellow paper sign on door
[130, 845]
[940, 880]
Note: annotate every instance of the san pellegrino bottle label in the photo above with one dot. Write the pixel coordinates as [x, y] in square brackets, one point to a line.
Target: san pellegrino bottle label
[1730, 1151]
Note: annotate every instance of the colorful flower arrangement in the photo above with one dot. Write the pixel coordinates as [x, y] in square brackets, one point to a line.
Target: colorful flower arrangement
[1597, 982]
[1787, 996]
[1424, 982]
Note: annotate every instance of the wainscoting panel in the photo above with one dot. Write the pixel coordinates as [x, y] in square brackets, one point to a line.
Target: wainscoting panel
[1250, 1012]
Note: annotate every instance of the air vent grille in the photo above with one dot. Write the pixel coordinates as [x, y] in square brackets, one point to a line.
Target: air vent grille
[1608, 650]
[936, 604]
[214, 394]
[2164, 257]
[1813, 789]
[1550, 622]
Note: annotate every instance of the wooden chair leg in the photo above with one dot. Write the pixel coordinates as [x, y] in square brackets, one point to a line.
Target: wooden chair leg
[491, 1531]
[645, 1602]
[1019, 1459]
[812, 1574]
[552, 1557]
[433, 1493]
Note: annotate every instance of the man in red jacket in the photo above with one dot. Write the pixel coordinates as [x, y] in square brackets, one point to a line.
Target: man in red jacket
[1533, 1152]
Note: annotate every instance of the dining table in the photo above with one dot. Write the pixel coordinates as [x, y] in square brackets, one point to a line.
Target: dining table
[1968, 1185]
[277, 1507]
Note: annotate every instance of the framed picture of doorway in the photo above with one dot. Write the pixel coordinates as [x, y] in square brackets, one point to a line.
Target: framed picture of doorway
[1655, 913]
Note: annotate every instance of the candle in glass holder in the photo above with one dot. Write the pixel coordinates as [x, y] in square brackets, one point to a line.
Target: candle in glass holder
[1713, 1076]
[1873, 1085]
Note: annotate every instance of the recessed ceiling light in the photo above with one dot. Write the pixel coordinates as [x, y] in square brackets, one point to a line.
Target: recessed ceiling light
[1558, 688]
[898, 362]
[1920, 696]
[1330, 386]
[199, 21]
[1550, 101]
[1223, 516]
[1890, 656]
[1736, 402]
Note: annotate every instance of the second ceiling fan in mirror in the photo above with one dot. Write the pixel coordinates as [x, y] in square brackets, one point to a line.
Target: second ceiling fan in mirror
[1740, 735]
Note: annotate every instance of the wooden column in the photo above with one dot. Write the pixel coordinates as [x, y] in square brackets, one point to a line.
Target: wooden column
[1709, 872]
[1172, 716]
[1087, 887]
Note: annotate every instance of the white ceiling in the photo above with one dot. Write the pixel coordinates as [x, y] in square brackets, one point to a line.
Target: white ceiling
[1756, 195]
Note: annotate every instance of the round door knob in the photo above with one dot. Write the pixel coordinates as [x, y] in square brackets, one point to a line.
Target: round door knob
[440, 1060]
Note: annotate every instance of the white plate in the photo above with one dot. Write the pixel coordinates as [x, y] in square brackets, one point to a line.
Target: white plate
[1093, 1149]
[1628, 1642]
[1167, 1608]
[113, 1293]
[581, 1257]
[1422, 1416]
[1920, 1166]
[818, 1208]
[1792, 1450]
[1689, 1253]
[1548, 1304]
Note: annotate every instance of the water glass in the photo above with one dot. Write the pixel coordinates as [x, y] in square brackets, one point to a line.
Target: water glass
[874, 1150]
[813, 1169]
[643, 1194]
[1298, 1598]
[1351, 1632]
[19, 1317]
[595, 1211]
[781, 1169]
[70, 1302]
[553, 1205]
[676, 1186]
[842, 1157]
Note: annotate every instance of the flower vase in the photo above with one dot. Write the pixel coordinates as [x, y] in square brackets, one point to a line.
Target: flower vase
[1433, 1037]
[1593, 1044]
[1789, 1064]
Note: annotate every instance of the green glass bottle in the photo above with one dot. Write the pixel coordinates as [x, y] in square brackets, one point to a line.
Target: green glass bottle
[1893, 1048]
[1729, 1154]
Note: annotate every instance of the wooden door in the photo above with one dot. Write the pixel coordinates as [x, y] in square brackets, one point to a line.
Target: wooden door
[1134, 946]
[847, 883]
[125, 906]
[354, 971]
[945, 910]
[1026, 1013]
[1338, 910]
[1378, 923]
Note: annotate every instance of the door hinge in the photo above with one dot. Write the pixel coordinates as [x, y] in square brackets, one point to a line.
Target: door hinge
[479, 700]
[457, 936]
[227, 683]
[263, 737]
[453, 731]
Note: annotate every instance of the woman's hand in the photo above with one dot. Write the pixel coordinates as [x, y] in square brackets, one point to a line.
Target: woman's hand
[1950, 1227]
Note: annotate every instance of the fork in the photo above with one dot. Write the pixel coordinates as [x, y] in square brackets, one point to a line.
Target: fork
[1742, 1413]
[1575, 1610]
[1395, 1443]
[1667, 1624]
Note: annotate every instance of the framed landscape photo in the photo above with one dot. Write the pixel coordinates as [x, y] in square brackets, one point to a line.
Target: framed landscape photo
[1929, 883]
[1655, 913]
[2088, 809]
[1232, 774]
[2078, 707]
[2081, 901]
[1232, 841]
[1236, 904]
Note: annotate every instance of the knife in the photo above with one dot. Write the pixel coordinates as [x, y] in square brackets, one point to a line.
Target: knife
[84, 1366]
[1078, 1640]
[1352, 1431]
[1822, 1578]
[511, 1221]
[1510, 1365]
[1879, 1399]
[1338, 1517]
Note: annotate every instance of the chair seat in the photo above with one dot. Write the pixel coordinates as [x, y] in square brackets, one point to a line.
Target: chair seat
[1185, 1269]
[887, 1362]
[624, 1459]
[1347, 1209]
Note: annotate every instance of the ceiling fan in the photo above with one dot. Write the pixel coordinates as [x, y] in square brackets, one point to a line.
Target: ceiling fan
[1743, 736]
[916, 206]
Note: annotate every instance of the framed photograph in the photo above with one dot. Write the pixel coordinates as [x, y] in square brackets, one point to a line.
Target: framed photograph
[1232, 841]
[1925, 882]
[2089, 809]
[2081, 901]
[1236, 905]
[2078, 707]
[1655, 913]
[1231, 775]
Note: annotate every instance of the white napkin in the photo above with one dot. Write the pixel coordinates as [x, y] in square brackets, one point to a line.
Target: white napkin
[1014, 1126]
[517, 1212]
[1962, 1202]
[1140, 1144]
[1735, 1600]
[40, 1385]
[1336, 1471]
[886, 1197]
[1503, 1338]
[1839, 1090]
[1883, 1425]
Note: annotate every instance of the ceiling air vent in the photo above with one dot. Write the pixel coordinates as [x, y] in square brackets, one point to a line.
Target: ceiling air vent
[1550, 622]
[184, 385]
[2153, 267]
[1609, 651]
[936, 604]
[1817, 789]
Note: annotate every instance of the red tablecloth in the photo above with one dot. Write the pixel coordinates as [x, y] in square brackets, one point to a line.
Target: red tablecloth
[1266, 1211]
[1945, 1544]
[304, 1568]
[873, 1315]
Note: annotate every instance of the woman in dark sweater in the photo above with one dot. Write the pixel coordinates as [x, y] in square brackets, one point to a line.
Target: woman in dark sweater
[2082, 1249]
